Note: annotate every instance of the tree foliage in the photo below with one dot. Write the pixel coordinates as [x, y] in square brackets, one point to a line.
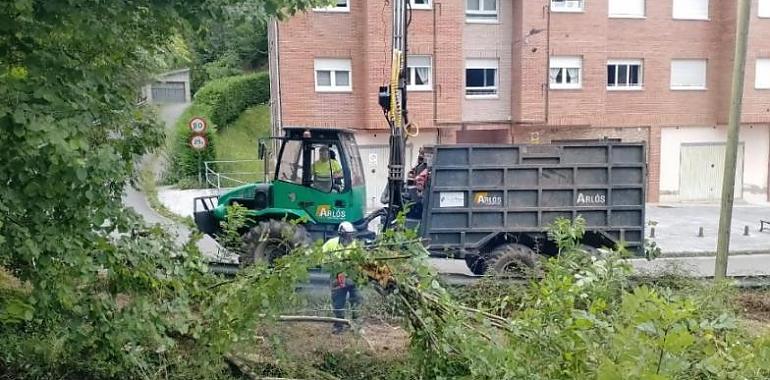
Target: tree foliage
[71, 133]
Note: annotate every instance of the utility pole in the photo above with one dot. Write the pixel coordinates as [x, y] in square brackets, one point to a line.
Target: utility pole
[733, 129]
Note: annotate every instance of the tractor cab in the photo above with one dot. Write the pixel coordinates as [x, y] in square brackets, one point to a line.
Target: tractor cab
[318, 181]
[319, 176]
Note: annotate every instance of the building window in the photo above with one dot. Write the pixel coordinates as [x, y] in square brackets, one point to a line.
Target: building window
[691, 9]
[566, 5]
[625, 74]
[762, 74]
[481, 10]
[626, 8]
[565, 72]
[339, 6]
[688, 74]
[420, 4]
[763, 9]
[332, 75]
[418, 73]
[481, 77]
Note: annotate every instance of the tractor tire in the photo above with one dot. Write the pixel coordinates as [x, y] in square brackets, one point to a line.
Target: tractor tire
[511, 260]
[476, 264]
[271, 239]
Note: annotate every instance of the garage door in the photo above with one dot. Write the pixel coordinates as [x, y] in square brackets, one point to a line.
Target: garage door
[701, 171]
[168, 92]
[375, 159]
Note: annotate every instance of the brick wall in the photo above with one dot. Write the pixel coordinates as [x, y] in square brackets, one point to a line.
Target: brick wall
[523, 44]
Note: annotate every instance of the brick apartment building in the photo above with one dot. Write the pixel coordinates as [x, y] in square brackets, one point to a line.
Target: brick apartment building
[537, 71]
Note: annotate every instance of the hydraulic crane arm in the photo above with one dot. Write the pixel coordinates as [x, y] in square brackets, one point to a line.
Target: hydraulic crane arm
[392, 99]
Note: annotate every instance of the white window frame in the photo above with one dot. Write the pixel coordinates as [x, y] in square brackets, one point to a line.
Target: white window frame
[482, 15]
[628, 63]
[690, 87]
[333, 65]
[677, 12]
[410, 86]
[762, 82]
[482, 63]
[413, 5]
[576, 6]
[334, 8]
[565, 63]
[621, 14]
[763, 9]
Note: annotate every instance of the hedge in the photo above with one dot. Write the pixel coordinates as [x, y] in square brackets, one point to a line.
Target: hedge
[220, 102]
[228, 97]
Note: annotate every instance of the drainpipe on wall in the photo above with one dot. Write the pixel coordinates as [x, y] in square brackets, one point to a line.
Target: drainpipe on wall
[547, 85]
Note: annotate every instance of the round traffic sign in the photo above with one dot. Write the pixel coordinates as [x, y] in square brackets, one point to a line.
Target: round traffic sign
[198, 142]
[197, 125]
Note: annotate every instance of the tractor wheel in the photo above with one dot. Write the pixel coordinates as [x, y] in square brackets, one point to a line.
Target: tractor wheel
[511, 260]
[270, 240]
[476, 264]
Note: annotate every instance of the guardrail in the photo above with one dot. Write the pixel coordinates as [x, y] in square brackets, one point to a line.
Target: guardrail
[227, 174]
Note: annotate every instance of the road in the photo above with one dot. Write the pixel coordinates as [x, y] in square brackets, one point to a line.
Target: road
[135, 199]
[739, 265]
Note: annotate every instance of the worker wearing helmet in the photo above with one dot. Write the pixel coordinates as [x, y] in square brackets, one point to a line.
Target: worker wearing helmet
[343, 286]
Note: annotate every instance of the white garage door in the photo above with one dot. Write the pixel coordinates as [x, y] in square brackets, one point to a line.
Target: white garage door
[168, 92]
[701, 171]
[375, 159]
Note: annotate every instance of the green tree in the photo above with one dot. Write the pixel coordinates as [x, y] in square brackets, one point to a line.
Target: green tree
[71, 133]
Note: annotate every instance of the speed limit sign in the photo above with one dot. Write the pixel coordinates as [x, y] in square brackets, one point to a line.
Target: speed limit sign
[198, 142]
[198, 125]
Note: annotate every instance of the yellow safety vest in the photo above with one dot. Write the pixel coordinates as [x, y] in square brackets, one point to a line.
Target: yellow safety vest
[326, 169]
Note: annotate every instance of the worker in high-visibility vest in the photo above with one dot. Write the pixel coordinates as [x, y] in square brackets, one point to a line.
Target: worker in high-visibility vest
[343, 286]
[325, 170]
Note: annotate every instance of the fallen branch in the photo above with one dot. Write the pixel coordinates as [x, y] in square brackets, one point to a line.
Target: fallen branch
[244, 369]
[310, 318]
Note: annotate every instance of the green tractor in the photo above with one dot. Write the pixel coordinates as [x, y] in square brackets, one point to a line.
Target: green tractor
[319, 179]
[318, 183]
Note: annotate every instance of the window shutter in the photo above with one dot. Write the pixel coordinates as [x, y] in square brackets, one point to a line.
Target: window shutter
[688, 73]
[473, 63]
[762, 75]
[566, 62]
[626, 8]
[691, 9]
[418, 61]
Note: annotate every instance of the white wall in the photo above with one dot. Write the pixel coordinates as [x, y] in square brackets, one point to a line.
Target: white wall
[381, 138]
[756, 141]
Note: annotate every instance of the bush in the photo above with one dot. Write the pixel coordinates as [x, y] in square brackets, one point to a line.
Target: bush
[228, 97]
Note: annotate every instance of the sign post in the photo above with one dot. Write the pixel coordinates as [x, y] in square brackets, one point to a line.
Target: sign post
[198, 142]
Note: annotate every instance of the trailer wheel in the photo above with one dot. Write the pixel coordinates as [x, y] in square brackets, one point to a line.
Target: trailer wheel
[270, 240]
[511, 259]
[591, 251]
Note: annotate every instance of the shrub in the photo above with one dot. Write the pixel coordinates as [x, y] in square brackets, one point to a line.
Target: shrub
[228, 97]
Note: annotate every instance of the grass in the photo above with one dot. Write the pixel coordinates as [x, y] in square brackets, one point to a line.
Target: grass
[239, 141]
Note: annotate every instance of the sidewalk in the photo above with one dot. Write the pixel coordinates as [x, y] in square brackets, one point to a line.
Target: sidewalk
[676, 229]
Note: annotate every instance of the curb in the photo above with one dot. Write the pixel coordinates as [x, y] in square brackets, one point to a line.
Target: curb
[674, 255]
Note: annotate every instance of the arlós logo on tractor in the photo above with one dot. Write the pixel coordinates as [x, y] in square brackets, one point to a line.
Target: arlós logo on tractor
[484, 199]
[326, 211]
